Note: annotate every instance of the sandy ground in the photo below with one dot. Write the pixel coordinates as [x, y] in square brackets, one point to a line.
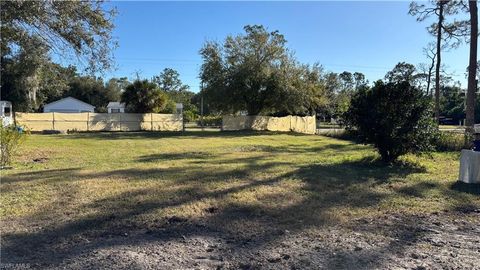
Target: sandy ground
[445, 240]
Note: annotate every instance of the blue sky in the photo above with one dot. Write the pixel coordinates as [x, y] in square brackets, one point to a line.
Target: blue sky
[369, 37]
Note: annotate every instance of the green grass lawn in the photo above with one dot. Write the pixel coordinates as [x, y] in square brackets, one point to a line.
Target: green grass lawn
[82, 183]
[451, 127]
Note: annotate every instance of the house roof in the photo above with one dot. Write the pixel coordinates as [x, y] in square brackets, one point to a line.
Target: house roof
[71, 98]
[115, 104]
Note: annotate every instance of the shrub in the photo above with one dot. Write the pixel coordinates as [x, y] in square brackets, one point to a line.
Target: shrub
[10, 138]
[189, 116]
[395, 117]
[210, 120]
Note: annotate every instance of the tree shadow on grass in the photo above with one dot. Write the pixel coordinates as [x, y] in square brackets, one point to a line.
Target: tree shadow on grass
[417, 190]
[326, 187]
[175, 156]
[168, 134]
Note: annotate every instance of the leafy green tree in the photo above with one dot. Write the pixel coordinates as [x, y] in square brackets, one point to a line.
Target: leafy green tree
[402, 72]
[360, 80]
[67, 28]
[339, 89]
[76, 31]
[251, 72]
[213, 75]
[394, 117]
[347, 81]
[143, 96]
[21, 78]
[169, 81]
[117, 85]
[300, 90]
[250, 62]
[54, 82]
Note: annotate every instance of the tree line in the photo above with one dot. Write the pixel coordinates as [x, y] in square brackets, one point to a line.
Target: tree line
[250, 73]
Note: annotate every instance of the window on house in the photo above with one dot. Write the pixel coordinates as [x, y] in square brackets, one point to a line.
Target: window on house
[114, 110]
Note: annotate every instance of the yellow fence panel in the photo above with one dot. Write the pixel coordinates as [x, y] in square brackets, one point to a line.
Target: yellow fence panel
[298, 124]
[72, 126]
[257, 122]
[132, 117]
[19, 116]
[279, 123]
[166, 117]
[35, 122]
[70, 117]
[303, 124]
[104, 122]
[167, 125]
[100, 121]
[36, 125]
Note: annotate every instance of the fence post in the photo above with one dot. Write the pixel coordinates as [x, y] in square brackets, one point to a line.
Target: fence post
[151, 121]
[88, 120]
[120, 122]
[53, 120]
[291, 119]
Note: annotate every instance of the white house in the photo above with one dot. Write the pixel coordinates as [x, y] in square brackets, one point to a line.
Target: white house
[68, 105]
[116, 107]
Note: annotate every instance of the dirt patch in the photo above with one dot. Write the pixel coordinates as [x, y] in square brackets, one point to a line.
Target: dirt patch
[40, 160]
[446, 240]
[37, 156]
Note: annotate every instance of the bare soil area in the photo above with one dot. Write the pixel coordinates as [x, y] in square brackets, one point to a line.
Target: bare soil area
[446, 240]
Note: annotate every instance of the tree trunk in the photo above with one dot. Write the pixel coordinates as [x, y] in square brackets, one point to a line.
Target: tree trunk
[472, 66]
[429, 80]
[438, 64]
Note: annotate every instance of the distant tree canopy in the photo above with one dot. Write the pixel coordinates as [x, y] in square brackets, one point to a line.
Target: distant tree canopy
[340, 89]
[55, 82]
[143, 96]
[93, 91]
[169, 81]
[452, 103]
[402, 72]
[255, 72]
